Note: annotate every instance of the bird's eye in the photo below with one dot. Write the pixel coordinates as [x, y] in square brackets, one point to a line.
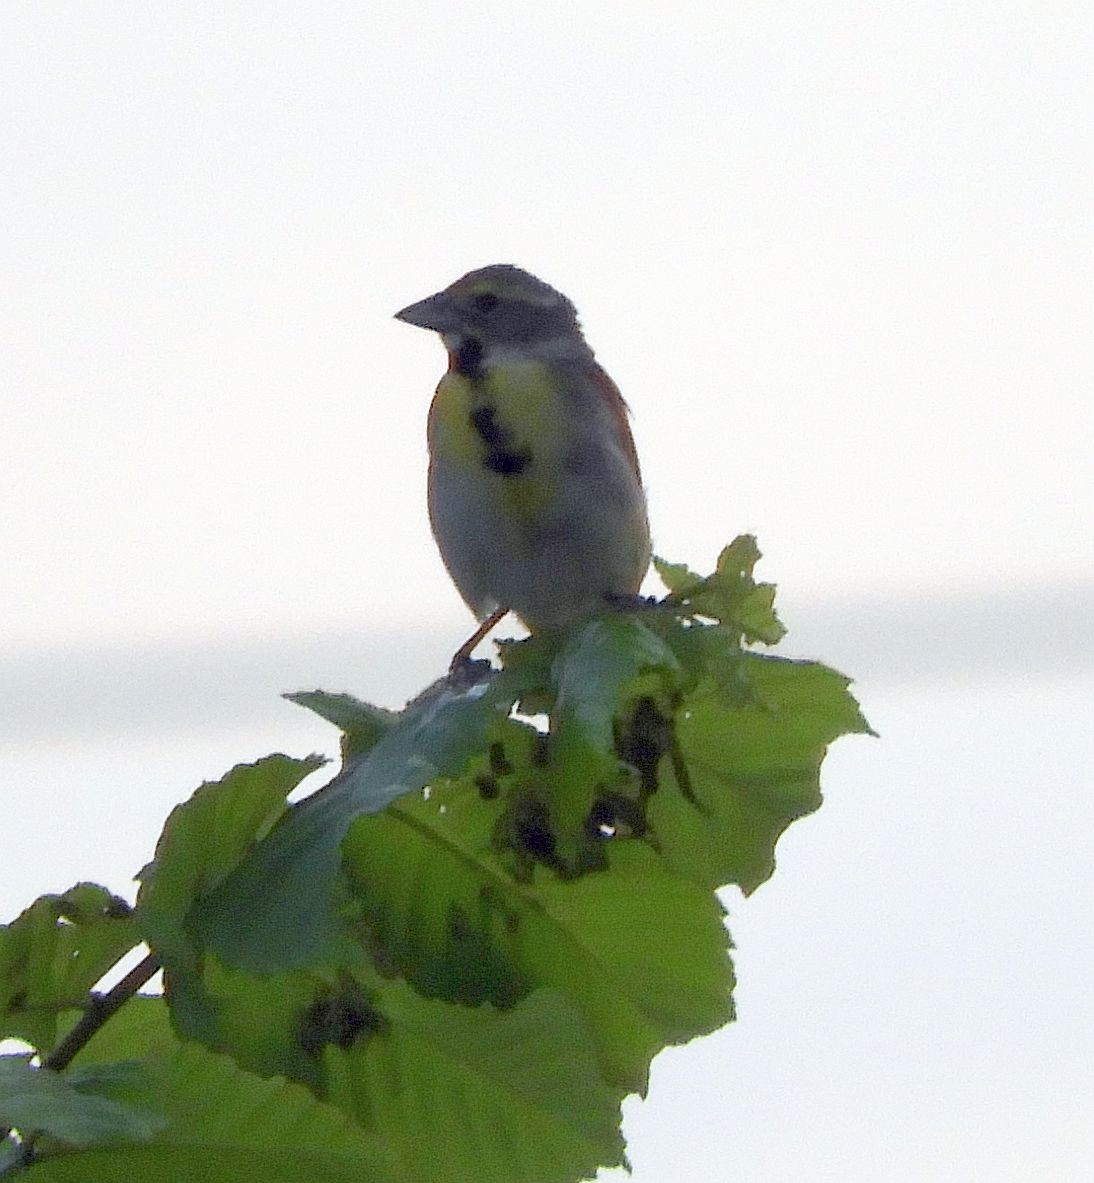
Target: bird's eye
[485, 301]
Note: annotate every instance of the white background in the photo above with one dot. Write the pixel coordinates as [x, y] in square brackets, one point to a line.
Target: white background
[838, 257]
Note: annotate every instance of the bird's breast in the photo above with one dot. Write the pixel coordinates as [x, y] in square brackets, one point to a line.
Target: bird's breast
[506, 426]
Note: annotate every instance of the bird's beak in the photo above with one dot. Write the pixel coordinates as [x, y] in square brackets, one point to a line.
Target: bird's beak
[434, 312]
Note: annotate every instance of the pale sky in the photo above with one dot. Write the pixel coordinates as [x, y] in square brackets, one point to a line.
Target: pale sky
[838, 257]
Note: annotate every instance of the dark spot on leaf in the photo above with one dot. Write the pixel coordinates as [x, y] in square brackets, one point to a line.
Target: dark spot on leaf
[645, 738]
[541, 750]
[341, 1020]
[499, 762]
[488, 787]
[536, 837]
[616, 816]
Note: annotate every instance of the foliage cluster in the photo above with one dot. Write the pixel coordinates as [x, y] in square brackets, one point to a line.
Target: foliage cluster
[457, 957]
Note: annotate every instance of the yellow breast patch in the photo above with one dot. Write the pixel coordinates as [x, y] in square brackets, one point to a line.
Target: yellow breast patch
[507, 426]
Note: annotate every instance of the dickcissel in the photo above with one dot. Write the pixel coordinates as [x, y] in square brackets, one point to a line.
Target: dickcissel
[535, 494]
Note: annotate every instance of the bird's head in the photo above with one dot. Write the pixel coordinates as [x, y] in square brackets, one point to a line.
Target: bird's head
[497, 307]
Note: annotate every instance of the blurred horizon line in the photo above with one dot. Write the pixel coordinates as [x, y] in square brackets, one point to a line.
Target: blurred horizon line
[199, 684]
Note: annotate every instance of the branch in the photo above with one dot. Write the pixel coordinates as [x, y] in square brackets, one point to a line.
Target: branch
[97, 1013]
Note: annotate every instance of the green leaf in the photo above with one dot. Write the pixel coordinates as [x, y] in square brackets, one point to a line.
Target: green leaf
[224, 1125]
[67, 1107]
[679, 578]
[203, 840]
[434, 896]
[756, 614]
[264, 1021]
[730, 595]
[362, 724]
[641, 951]
[594, 675]
[498, 1096]
[141, 1027]
[465, 948]
[746, 771]
[276, 911]
[11, 1153]
[52, 955]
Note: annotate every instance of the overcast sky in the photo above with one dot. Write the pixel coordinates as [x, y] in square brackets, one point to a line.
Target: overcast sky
[838, 258]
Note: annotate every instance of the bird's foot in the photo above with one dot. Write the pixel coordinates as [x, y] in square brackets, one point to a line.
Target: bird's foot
[463, 671]
[630, 602]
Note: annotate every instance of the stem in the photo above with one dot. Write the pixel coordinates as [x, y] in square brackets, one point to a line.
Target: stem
[101, 1008]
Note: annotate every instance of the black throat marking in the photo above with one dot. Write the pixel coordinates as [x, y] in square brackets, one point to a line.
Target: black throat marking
[467, 359]
[501, 456]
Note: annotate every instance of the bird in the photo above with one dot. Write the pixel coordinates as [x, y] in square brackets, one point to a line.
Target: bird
[535, 491]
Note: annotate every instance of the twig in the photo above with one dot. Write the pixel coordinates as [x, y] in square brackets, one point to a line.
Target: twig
[101, 1008]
